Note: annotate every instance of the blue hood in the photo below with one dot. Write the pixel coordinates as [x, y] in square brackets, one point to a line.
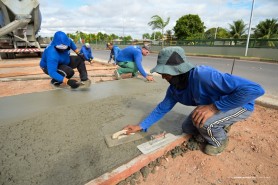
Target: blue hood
[60, 38]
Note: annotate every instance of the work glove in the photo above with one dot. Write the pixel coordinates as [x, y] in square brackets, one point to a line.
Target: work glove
[90, 60]
[73, 84]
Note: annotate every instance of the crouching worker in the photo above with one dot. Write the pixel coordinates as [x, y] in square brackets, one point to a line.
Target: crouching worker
[58, 64]
[87, 52]
[129, 60]
[221, 99]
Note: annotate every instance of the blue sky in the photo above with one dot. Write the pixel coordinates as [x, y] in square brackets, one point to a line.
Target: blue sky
[130, 17]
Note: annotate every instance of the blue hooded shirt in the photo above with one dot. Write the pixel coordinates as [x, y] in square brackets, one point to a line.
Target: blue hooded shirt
[132, 54]
[206, 85]
[114, 53]
[52, 58]
[87, 52]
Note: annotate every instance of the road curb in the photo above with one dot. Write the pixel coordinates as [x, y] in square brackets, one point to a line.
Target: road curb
[234, 57]
[267, 102]
[136, 164]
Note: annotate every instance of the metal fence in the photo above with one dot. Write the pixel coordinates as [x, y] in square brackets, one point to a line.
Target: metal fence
[253, 43]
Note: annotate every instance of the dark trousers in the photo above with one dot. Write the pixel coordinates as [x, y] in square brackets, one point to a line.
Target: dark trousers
[67, 70]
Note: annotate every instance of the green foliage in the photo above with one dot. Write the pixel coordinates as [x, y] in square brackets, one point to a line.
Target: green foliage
[146, 36]
[221, 33]
[158, 23]
[90, 38]
[169, 35]
[156, 36]
[188, 26]
[267, 29]
[237, 29]
[126, 38]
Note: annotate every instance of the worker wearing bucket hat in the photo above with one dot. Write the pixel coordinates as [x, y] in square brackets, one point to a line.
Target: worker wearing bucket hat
[221, 99]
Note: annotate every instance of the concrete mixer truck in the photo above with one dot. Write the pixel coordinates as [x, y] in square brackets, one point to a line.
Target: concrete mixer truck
[20, 22]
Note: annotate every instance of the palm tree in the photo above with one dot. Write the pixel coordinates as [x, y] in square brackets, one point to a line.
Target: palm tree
[158, 23]
[266, 29]
[238, 28]
[169, 34]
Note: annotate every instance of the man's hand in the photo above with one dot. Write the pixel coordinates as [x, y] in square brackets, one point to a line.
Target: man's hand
[73, 83]
[150, 78]
[202, 113]
[132, 128]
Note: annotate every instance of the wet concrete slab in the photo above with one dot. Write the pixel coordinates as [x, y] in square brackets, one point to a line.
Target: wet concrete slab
[58, 137]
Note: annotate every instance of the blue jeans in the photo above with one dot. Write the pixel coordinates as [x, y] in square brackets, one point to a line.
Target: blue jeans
[213, 129]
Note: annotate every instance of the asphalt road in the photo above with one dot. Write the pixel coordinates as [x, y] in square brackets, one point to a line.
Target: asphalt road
[263, 73]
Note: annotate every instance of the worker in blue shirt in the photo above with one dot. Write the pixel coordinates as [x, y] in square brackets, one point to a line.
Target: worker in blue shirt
[114, 52]
[221, 99]
[129, 60]
[87, 52]
[58, 64]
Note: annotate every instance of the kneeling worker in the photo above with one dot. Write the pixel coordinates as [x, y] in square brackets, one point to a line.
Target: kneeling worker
[129, 60]
[58, 64]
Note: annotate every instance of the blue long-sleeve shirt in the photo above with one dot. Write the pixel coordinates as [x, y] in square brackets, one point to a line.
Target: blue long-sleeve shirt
[206, 86]
[132, 54]
[114, 53]
[51, 58]
[87, 53]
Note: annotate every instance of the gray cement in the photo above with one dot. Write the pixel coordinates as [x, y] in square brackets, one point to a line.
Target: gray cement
[57, 137]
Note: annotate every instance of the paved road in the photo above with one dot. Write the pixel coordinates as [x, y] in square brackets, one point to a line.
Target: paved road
[261, 72]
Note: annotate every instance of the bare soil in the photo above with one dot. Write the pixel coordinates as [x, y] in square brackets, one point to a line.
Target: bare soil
[250, 158]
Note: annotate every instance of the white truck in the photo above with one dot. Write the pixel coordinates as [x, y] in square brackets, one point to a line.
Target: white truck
[20, 22]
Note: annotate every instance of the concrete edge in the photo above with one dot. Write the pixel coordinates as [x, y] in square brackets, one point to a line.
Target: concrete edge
[267, 104]
[136, 164]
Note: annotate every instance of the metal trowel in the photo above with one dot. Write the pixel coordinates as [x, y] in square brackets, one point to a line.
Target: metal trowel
[156, 141]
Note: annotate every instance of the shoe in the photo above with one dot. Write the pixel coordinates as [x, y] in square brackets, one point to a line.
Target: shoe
[214, 150]
[227, 128]
[85, 83]
[55, 83]
[117, 75]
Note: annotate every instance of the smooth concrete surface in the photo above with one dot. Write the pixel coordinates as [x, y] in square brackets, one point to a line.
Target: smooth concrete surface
[57, 137]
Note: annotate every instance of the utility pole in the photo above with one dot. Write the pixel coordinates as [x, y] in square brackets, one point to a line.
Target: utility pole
[215, 32]
[249, 30]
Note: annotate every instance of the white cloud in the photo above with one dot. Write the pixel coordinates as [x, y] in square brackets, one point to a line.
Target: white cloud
[131, 17]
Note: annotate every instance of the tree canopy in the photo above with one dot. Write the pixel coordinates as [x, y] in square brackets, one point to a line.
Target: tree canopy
[158, 23]
[238, 29]
[219, 33]
[188, 26]
[267, 29]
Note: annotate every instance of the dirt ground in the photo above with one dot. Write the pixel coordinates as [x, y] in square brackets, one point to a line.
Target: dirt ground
[250, 158]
